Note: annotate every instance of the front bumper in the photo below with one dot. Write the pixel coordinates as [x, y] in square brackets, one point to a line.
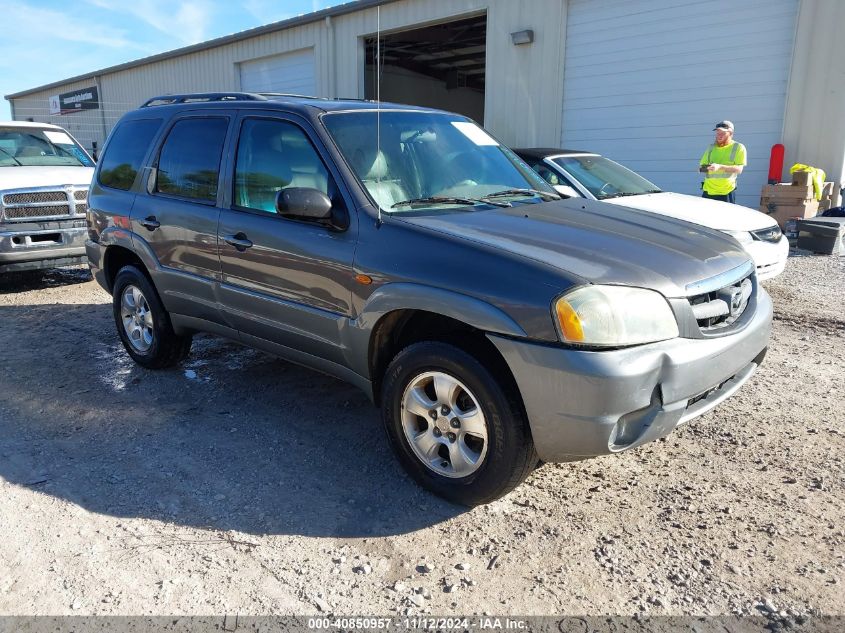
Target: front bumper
[95, 256]
[769, 258]
[26, 249]
[583, 403]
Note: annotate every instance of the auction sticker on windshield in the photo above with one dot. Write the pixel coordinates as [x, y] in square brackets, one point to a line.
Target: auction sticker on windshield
[474, 133]
[59, 138]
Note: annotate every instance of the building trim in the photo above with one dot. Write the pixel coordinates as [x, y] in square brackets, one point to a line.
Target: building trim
[308, 18]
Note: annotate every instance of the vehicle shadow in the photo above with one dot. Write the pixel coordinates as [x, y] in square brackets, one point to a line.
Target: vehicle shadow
[23, 281]
[232, 440]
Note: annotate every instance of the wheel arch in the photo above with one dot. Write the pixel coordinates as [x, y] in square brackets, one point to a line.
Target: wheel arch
[430, 314]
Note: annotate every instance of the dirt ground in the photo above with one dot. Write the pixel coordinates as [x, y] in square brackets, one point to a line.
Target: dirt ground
[239, 483]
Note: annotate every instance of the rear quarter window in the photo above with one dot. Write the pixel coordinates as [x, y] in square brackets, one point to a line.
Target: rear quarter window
[125, 152]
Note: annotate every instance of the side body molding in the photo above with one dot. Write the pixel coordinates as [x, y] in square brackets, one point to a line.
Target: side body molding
[411, 296]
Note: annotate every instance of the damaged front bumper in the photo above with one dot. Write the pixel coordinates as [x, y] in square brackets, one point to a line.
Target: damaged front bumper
[586, 403]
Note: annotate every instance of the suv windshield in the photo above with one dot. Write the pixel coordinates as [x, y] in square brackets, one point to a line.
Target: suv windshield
[604, 178]
[40, 148]
[428, 160]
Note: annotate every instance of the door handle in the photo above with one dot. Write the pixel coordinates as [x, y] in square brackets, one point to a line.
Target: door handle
[150, 223]
[239, 241]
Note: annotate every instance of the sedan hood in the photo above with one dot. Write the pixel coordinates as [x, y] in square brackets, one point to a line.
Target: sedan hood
[598, 243]
[714, 214]
[24, 177]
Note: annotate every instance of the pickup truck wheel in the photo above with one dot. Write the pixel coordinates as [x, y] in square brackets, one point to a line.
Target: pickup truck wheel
[143, 324]
[453, 426]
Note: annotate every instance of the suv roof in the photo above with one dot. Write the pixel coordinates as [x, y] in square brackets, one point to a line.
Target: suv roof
[292, 102]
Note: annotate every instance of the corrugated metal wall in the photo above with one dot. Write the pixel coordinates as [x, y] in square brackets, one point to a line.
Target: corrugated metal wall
[524, 83]
[645, 82]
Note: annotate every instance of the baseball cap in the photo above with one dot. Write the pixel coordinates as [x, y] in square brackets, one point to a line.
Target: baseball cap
[724, 125]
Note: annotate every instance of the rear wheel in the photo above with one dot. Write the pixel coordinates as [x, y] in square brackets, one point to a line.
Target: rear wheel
[143, 324]
[454, 427]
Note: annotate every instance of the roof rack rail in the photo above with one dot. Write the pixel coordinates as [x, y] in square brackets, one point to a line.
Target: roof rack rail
[198, 97]
[287, 94]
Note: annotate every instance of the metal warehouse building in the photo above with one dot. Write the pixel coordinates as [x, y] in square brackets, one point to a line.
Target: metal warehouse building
[641, 81]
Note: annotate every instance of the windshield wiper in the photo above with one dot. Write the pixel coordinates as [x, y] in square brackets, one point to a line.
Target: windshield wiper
[447, 200]
[545, 195]
[19, 163]
[623, 194]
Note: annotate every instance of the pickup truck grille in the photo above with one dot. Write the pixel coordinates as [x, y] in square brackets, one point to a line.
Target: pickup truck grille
[26, 205]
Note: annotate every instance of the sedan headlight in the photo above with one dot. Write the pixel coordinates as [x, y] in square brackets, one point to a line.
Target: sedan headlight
[743, 237]
[614, 316]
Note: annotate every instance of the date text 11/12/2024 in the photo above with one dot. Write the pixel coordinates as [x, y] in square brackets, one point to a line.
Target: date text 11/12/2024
[419, 623]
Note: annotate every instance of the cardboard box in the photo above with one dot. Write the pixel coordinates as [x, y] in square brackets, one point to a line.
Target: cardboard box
[836, 197]
[802, 178]
[786, 190]
[783, 212]
[827, 190]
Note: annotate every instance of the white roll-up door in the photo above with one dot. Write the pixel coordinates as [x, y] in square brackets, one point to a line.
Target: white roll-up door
[645, 82]
[291, 73]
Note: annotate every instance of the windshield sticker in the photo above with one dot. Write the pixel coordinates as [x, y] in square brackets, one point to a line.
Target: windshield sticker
[59, 138]
[474, 133]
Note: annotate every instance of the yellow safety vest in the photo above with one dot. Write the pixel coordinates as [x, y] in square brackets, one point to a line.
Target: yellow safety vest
[721, 183]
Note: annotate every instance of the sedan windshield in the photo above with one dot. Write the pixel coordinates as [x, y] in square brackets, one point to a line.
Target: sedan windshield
[605, 179]
[25, 147]
[411, 161]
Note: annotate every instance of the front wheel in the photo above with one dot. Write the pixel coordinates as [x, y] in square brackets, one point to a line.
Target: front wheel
[454, 427]
[143, 324]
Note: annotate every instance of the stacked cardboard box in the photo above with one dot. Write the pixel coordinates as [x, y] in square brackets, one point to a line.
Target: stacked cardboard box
[831, 197]
[785, 201]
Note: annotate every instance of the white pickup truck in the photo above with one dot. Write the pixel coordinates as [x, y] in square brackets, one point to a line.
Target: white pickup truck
[44, 178]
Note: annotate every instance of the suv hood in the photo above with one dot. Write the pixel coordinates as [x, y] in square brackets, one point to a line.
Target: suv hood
[23, 177]
[599, 243]
[714, 214]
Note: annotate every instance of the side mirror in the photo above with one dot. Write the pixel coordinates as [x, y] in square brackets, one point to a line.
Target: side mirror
[305, 203]
[566, 190]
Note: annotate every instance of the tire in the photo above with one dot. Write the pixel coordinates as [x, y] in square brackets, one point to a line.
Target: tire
[479, 459]
[143, 324]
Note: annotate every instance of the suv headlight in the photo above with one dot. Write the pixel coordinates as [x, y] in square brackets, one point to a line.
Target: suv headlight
[614, 316]
[743, 237]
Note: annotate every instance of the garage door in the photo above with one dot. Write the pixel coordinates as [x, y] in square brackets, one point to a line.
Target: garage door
[292, 73]
[645, 82]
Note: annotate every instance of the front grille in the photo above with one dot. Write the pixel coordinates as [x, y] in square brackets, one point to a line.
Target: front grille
[17, 213]
[25, 205]
[772, 234]
[35, 196]
[720, 308]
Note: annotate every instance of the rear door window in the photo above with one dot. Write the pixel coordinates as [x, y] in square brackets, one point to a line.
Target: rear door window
[189, 162]
[126, 150]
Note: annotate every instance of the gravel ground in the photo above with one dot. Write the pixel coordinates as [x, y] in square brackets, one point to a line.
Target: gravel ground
[239, 483]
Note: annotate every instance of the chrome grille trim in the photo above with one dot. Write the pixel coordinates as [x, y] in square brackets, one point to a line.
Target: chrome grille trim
[43, 203]
[727, 278]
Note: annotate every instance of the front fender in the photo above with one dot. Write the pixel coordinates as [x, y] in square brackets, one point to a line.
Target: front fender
[409, 296]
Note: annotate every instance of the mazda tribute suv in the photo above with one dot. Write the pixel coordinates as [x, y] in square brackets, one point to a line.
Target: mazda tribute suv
[407, 251]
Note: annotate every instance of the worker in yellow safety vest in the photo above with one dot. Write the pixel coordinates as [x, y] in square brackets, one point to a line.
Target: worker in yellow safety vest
[721, 163]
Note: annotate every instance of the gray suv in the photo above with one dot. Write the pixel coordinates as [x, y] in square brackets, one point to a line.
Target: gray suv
[407, 251]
